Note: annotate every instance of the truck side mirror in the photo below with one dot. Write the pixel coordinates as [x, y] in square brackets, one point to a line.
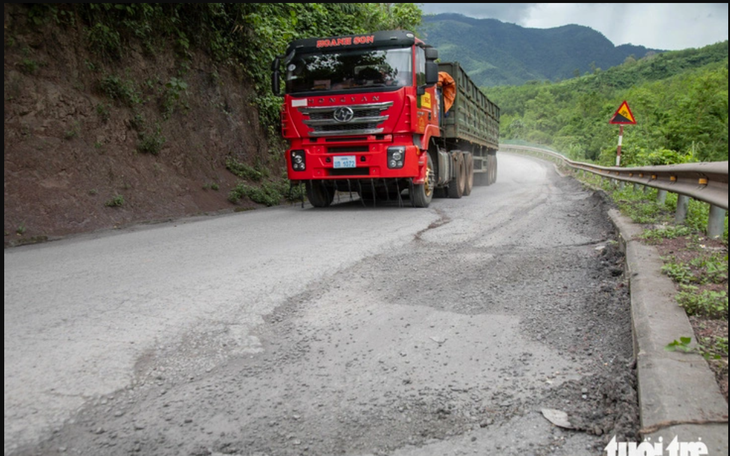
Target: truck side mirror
[432, 73]
[431, 53]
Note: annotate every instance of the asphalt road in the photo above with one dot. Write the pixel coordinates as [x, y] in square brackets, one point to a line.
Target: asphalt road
[349, 330]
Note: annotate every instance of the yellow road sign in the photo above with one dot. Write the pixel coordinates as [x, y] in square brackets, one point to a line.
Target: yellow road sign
[623, 115]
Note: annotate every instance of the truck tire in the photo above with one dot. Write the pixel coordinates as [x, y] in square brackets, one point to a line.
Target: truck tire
[423, 193]
[492, 168]
[319, 194]
[469, 167]
[489, 170]
[456, 187]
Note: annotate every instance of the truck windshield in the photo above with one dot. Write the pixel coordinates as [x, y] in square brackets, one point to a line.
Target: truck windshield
[350, 70]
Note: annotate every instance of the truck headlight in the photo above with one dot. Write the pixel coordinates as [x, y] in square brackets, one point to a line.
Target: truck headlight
[298, 160]
[396, 157]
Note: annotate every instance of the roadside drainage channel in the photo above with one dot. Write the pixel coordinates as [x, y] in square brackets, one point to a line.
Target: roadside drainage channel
[678, 395]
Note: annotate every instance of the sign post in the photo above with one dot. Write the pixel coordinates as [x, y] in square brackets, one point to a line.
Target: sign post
[621, 117]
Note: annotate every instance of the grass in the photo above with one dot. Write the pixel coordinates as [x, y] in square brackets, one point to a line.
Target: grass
[666, 232]
[268, 193]
[705, 303]
[29, 66]
[151, 142]
[73, 132]
[120, 89]
[116, 201]
[104, 112]
[245, 171]
[171, 97]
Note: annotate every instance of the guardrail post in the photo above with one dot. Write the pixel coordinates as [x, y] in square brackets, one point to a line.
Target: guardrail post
[716, 223]
[621, 185]
[682, 207]
[661, 196]
[636, 187]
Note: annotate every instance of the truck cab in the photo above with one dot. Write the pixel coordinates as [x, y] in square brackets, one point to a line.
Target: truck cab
[361, 113]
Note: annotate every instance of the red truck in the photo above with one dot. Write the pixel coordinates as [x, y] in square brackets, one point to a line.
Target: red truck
[377, 115]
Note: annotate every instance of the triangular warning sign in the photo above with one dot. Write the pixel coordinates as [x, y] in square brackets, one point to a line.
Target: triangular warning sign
[623, 115]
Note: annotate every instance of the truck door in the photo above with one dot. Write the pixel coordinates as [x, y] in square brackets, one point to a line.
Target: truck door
[427, 103]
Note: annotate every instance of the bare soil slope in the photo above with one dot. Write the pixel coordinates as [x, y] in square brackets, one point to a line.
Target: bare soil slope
[93, 143]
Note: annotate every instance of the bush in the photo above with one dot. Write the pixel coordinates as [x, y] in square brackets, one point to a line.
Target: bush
[151, 143]
[117, 201]
[269, 193]
[118, 89]
[243, 170]
[712, 304]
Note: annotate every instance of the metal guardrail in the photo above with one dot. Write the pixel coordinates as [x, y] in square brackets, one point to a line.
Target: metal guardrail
[706, 182]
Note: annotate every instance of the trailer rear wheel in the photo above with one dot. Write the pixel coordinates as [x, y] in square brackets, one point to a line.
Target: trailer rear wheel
[423, 193]
[491, 175]
[456, 187]
[469, 181]
[319, 194]
[491, 169]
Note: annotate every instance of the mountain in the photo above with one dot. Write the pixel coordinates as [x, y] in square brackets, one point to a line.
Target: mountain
[497, 53]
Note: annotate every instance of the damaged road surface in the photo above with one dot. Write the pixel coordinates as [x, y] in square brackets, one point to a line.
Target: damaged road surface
[373, 331]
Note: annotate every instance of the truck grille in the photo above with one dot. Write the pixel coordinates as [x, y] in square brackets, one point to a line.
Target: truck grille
[365, 119]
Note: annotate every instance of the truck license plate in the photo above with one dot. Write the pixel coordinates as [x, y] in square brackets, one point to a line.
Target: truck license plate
[347, 161]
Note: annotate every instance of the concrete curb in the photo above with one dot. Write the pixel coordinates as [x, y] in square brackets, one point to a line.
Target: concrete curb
[678, 394]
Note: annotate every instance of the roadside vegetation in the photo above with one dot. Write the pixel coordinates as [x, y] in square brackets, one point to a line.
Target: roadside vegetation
[679, 100]
[696, 263]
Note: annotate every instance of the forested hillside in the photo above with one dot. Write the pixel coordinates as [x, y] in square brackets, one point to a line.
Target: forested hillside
[679, 100]
[497, 53]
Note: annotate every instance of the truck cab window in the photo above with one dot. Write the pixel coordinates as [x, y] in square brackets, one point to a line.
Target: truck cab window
[350, 70]
[420, 66]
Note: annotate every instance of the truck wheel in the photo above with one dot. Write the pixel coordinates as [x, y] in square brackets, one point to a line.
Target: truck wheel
[423, 193]
[456, 187]
[319, 194]
[469, 167]
[491, 171]
[494, 166]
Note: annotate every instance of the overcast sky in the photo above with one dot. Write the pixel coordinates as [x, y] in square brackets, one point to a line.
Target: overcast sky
[665, 26]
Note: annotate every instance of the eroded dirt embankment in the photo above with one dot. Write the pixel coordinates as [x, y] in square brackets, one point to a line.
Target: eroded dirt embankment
[93, 143]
